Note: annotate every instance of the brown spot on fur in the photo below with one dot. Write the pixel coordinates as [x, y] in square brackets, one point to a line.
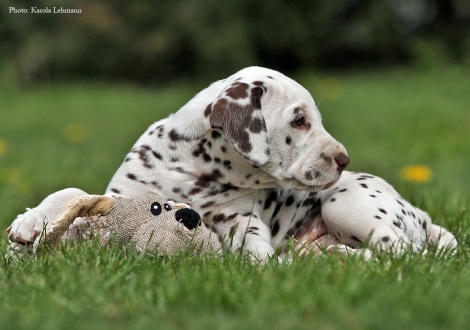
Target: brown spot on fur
[207, 204]
[208, 110]
[237, 90]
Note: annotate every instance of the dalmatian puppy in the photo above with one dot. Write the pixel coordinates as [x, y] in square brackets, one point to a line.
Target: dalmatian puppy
[250, 155]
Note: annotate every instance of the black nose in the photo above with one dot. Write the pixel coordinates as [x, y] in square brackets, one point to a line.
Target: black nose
[342, 160]
[189, 218]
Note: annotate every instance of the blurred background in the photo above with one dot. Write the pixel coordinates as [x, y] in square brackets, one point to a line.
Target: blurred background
[155, 41]
[391, 78]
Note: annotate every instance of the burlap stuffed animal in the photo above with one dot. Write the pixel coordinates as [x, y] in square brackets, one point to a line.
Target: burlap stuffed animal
[150, 224]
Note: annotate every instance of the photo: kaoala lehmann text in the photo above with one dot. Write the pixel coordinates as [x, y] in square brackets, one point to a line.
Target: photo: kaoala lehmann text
[47, 10]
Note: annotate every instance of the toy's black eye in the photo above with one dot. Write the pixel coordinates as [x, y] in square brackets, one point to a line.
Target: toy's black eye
[299, 122]
[167, 207]
[156, 208]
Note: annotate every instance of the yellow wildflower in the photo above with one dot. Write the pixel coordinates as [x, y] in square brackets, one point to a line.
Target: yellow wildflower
[416, 173]
[3, 147]
[9, 175]
[75, 132]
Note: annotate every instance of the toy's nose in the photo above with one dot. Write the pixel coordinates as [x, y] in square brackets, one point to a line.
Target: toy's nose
[189, 218]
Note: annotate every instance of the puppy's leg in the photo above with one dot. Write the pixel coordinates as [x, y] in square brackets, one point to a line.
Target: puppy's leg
[245, 232]
[28, 226]
[441, 238]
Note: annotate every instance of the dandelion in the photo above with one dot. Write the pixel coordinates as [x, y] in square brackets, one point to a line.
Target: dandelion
[75, 132]
[3, 147]
[416, 173]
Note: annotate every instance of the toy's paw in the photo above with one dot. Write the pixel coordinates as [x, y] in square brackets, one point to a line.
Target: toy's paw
[26, 227]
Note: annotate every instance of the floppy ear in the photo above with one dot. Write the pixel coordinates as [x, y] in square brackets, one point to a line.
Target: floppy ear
[237, 115]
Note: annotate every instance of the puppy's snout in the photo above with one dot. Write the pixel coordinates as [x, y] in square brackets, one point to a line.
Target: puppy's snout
[342, 160]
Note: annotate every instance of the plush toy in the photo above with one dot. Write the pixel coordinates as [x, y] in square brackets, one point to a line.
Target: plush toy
[150, 224]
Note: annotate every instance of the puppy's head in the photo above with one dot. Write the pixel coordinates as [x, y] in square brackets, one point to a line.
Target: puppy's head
[273, 122]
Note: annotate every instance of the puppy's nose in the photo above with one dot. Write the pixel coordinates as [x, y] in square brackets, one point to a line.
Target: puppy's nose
[342, 160]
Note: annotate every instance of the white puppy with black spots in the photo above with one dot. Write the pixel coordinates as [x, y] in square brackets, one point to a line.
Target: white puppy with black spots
[250, 155]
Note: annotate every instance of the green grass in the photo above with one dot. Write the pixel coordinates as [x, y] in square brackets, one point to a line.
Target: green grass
[386, 119]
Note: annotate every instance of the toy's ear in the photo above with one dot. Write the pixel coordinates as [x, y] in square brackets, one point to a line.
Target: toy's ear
[237, 115]
[80, 206]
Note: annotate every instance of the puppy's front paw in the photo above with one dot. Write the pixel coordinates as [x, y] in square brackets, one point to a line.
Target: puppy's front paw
[26, 227]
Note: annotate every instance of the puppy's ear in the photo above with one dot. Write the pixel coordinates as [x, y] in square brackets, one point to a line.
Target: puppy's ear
[237, 115]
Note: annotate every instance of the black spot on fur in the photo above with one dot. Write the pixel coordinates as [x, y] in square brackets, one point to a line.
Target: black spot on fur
[114, 190]
[354, 238]
[215, 135]
[156, 155]
[131, 176]
[385, 239]
[277, 209]
[271, 198]
[364, 185]
[156, 184]
[343, 190]
[289, 200]
[275, 228]
[207, 204]
[308, 176]
[372, 196]
[326, 158]
[176, 137]
[194, 191]
[232, 230]
[397, 224]
[400, 203]
[227, 164]
[288, 140]
[377, 217]
[315, 210]
[206, 178]
[206, 158]
[383, 211]
[333, 199]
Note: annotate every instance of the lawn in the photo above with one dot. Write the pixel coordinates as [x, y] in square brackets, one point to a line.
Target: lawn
[77, 134]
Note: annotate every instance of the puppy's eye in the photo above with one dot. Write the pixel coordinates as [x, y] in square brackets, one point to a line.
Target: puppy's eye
[156, 208]
[167, 207]
[299, 122]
